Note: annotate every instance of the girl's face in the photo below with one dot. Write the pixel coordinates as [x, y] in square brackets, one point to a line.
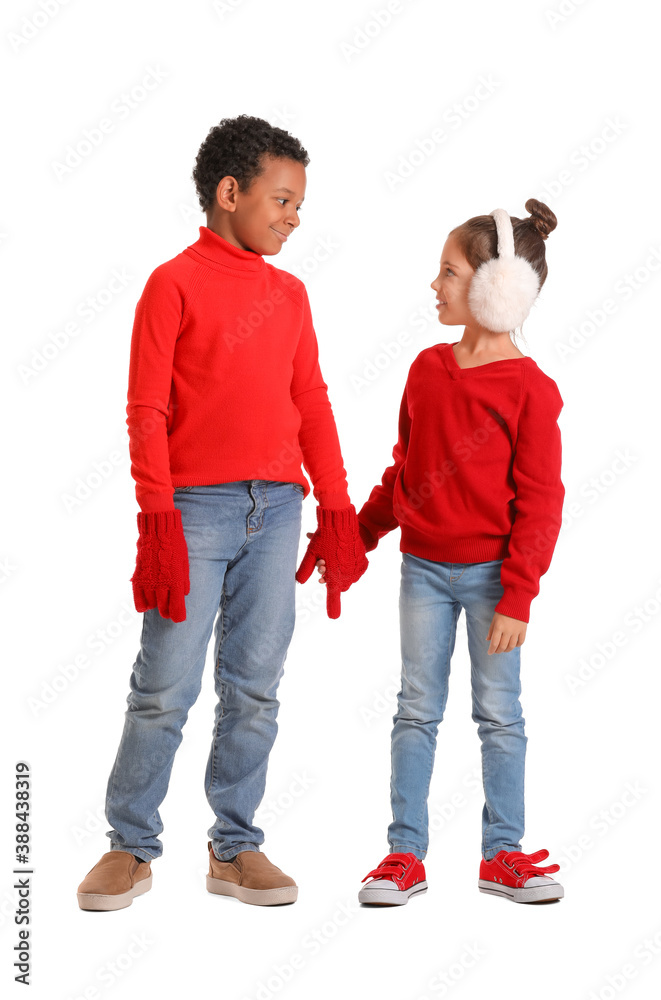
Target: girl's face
[451, 286]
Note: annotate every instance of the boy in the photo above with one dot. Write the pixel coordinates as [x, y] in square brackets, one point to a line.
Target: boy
[225, 400]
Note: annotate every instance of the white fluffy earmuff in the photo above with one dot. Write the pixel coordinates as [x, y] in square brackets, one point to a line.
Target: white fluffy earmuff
[503, 289]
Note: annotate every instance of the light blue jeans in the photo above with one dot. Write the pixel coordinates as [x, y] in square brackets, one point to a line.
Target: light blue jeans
[432, 595]
[242, 540]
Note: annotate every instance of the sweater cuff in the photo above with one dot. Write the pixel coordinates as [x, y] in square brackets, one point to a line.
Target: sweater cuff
[515, 605]
[333, 500]
[149, 503]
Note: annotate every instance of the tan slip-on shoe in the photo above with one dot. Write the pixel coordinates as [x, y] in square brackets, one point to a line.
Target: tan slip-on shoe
[113, 882]
[250, 877]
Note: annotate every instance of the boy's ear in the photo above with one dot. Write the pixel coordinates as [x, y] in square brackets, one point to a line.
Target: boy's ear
[226, 192]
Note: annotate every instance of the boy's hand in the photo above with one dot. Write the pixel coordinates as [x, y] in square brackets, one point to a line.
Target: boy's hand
[161, 577]
[337, 541]
[505, 633]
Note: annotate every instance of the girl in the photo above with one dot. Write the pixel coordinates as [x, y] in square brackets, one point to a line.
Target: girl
[475, 488]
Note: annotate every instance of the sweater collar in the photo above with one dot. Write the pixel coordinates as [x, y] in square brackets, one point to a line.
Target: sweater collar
[216, 249]
[457, 372]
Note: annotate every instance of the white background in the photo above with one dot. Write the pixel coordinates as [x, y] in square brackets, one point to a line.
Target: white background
[572, 119]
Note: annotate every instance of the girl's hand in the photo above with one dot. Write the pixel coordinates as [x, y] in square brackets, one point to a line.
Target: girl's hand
[320, 563]
[505, 633]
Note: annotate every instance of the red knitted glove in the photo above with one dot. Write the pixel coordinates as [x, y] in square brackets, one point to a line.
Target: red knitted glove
[337, 541]
[161, 570]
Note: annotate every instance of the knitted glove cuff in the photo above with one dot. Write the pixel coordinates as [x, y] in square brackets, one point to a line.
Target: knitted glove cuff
[340, 520]
[162, 558]
[160, 522]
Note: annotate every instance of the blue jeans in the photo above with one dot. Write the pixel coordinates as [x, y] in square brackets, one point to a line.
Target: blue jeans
[242, 540]
[432, 595]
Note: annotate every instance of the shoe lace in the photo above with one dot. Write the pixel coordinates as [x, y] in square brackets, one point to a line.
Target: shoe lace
[526, 864]
[392, 866]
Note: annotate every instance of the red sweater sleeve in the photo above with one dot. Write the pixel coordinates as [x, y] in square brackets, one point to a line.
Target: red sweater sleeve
[156, 326]
[377, 516]
[539, 497]
[317, 436]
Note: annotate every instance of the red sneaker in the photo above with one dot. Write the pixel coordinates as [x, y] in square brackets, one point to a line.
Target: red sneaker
[516, 876]
[395, 880]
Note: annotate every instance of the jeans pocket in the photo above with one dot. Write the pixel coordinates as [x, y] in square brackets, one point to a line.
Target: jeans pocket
[182, 489]
[297, 486]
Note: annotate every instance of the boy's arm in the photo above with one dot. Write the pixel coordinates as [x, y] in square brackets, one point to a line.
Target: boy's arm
[376, 516]
[317, 436]
[155, 329]
[539, 498]
[337, 540]
[161, 578]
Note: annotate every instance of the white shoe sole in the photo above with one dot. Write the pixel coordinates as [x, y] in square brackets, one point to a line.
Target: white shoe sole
[534, 894]
[98, 901]
[260, 897]
[390, 897]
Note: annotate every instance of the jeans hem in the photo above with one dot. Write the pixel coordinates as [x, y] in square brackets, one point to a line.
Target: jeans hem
[408, 849]
[491, 853]
[137, 852]
[234, 850]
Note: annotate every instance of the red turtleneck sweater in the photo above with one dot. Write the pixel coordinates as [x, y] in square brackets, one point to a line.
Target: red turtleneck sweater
[224, 379]
[476, 472]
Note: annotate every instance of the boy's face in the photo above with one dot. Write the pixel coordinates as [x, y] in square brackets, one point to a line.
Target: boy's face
[262, 217]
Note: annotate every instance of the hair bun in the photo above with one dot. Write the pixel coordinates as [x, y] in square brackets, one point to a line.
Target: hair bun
[541, 217]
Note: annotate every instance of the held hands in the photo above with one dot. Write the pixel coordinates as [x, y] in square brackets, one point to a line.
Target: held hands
[338, 543]
[505, 633]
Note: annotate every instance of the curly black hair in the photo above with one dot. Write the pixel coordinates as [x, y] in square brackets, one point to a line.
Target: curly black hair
[235, 148]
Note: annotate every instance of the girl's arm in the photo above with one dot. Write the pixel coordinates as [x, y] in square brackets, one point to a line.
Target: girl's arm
[539, 497]
[376, 517]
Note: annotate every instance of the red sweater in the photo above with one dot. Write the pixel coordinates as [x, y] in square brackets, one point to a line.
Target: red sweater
[224, 379]
[476, 472]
